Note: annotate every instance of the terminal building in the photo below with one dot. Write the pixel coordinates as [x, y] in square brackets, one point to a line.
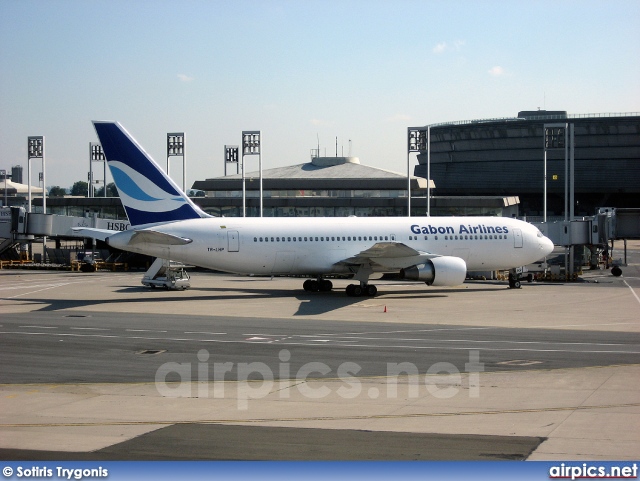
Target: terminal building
[503, 157]
[337, 187]
[479, 167]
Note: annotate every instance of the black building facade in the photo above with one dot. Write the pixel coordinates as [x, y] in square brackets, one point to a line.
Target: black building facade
[505, 157]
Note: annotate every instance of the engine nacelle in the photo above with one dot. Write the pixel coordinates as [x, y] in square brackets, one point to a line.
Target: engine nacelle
[439, 271]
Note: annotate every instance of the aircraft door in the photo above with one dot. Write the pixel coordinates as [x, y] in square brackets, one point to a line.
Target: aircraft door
[517, 238]
[233, 239]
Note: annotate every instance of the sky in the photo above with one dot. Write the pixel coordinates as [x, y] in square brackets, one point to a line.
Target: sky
[301, 72]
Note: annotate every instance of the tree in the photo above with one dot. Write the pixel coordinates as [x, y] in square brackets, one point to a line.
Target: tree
[57, 191]
[112, 191]
[80, 188]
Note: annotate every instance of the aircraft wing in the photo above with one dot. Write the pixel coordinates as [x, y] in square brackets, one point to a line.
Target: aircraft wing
[91, 233]
[155, 237]
[392, 255]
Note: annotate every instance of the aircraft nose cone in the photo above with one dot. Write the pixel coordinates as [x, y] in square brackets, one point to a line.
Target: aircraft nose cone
[546, 245]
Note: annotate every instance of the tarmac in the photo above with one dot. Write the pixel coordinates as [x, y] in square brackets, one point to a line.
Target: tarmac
[523, 412]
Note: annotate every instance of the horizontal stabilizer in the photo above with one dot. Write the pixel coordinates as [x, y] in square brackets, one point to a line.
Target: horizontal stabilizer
[91, 233]
[155, 237]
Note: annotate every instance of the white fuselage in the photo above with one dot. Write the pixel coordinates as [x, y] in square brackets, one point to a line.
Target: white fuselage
[319, 245]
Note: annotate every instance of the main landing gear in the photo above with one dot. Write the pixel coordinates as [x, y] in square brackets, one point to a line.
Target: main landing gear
[317, 285]
[353, 290]
[363, 288]
[357, 290]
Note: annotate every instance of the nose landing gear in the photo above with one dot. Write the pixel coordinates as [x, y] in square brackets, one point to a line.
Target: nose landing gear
[515, 276]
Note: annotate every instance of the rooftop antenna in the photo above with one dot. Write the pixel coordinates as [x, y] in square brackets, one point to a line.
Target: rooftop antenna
[349, 147]
[336, 145]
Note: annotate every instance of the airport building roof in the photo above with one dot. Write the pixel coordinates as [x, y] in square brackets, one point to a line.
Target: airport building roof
[320, 173]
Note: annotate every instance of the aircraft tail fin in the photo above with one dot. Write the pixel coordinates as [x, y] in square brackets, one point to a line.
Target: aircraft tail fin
[148, 195]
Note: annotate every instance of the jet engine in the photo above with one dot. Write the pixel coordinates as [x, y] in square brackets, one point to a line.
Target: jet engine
[439, 271]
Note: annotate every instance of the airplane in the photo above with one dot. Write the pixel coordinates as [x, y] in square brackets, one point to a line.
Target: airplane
[439, 251]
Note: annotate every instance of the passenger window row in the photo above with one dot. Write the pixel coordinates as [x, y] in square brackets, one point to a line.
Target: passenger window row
[320, 239]
[464, 237]
[374, 238]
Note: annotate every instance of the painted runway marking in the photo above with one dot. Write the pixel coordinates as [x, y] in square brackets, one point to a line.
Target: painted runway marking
[632, 291]
[142, 330]
[39, 327]
[53, 286]
[343, 344]
[89, 328]
[33, 292]
[29, 286]
[205, 332]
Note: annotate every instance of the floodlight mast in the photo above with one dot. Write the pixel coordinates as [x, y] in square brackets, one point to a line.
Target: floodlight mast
[97, 155]
[417, 141]
[3, 173]
[251, 145]
[555, 138]
[176, 148]
[35, 149]
[231, 156]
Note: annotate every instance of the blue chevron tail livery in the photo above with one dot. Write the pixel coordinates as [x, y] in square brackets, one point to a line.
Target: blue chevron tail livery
[148, 195]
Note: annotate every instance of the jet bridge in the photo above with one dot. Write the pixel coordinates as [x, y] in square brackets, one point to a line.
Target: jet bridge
[21, 228]
[18, 227]
[598, 232]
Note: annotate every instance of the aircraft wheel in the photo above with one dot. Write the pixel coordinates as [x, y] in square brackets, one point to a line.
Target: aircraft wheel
[311, 285]
[371, 290]
[325, 285]
[354, 290]
[517, 285]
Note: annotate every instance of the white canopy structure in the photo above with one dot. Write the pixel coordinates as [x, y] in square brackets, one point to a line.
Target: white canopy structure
[14, 188]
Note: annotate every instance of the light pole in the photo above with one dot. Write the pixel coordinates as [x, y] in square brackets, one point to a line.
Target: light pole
[231, 155]
[429, 171]
[3, 173]
[555, 138]
[251, 145]
[561, 136]
[175, 148]
[97, 155]
[417, 139]
[35, 149]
